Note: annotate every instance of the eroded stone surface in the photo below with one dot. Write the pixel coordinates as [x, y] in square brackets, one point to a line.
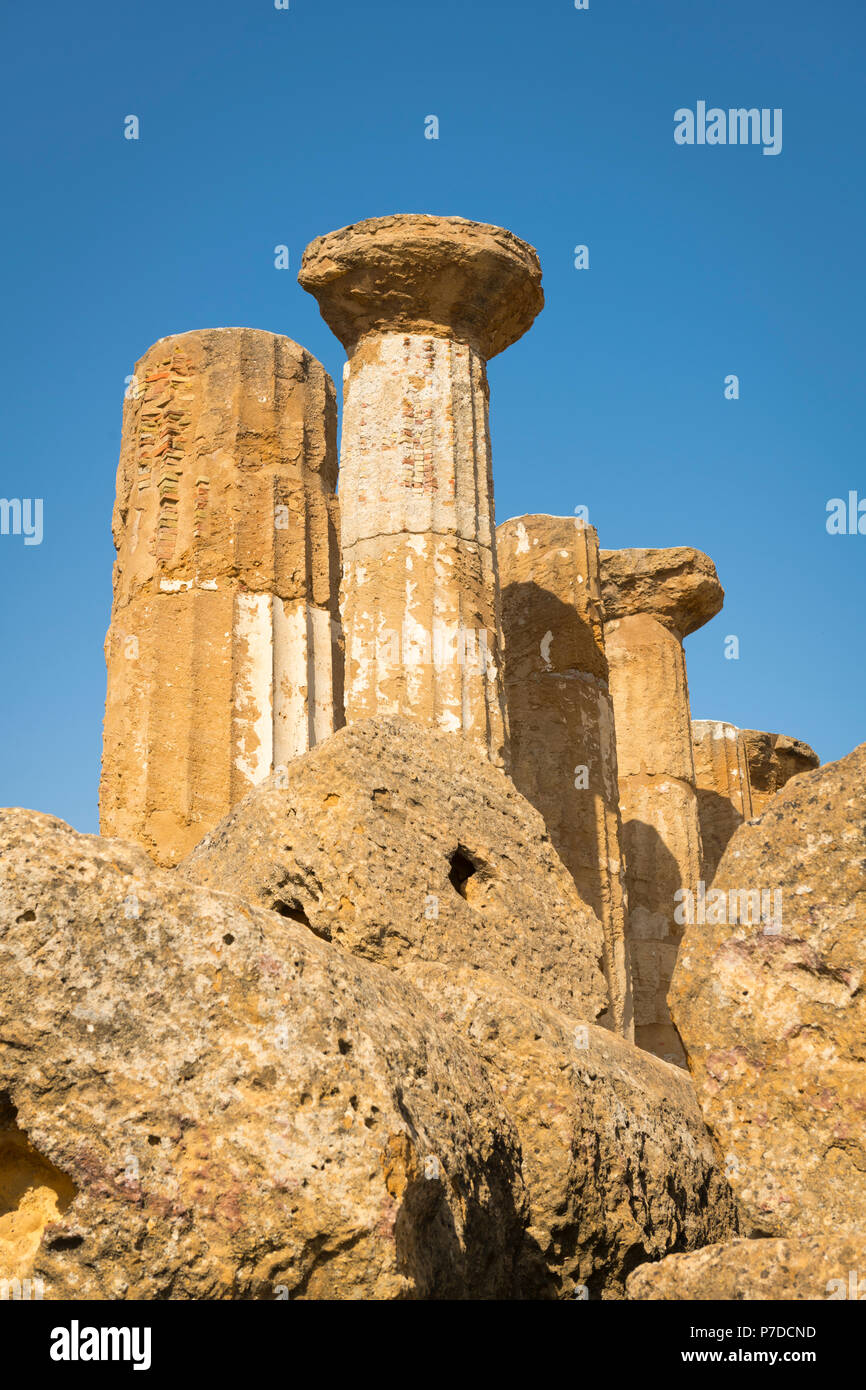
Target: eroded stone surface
[618, 1163]
[420, 303]
[563, 747]
[652, 599]
[768, 997]
[224, 657]
[816, 1267]
[399, 843]
[241, 1110]
[773, 760]
[724, 790]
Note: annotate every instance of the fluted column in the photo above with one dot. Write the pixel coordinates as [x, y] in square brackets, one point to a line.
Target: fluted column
[560, 714]
[420, 304]
[722, 780]
[652, 600]
[223, 654]
[773, 760]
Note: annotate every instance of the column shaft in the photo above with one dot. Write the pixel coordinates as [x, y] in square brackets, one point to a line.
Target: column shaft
[420, 594]
[560, 714]
[658, 803]
[223, 652]
[724, 794]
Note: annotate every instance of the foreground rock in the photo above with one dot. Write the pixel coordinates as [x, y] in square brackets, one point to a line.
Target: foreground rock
[617, 1160]
[771, 1007]
[400, 844]
[810, 1267]
[199, 1099]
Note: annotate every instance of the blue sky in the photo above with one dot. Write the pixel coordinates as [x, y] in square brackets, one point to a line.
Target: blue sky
[262, 127]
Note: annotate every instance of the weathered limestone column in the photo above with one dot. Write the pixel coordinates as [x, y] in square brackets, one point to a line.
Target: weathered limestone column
[724, 794]
[223, 653]
[563, 749]
[773, 760]
[652, 600]
[420, 304]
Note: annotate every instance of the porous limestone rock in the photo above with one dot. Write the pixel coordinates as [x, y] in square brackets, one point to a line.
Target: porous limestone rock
[420, 303]
[773, 760]
[768, 996]
[652, 600]
[202, 1100]
[806, 1267]
[397, 843]
[724, 792]
[560, 715]
[224, 657]
[618, 1163]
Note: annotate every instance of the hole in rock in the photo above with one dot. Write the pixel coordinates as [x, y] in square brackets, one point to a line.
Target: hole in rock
[293, 911]
[462, 869]
[28, 916]
[65, 1242]
[228, 938]
[33, 1193]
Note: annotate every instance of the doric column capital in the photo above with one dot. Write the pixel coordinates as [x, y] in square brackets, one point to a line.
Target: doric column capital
[678, 587]
[442, 276]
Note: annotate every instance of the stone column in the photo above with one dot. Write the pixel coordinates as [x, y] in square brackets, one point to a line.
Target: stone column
[420, 304]
[223, 652]
[773, 760]
[560, 715]
[652, 600]
[722, 780]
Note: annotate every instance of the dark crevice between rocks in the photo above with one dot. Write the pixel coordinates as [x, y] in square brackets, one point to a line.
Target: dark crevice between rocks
[293, 911]
[296, 912]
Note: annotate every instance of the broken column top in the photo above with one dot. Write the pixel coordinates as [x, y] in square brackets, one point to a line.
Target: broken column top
[679, 586]
[775, 758]
[444, 276]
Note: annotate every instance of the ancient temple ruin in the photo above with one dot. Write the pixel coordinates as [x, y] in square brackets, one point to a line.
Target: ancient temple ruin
[358, 995]
[254, 615]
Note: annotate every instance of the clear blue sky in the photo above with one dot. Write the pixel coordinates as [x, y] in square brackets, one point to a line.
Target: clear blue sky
[261, 127]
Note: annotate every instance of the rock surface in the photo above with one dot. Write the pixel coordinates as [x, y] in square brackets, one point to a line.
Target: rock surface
[773, 760]
[808, 1267]
[399, 843]
[199, 1099]
[771, 1006]
[618, 1163]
